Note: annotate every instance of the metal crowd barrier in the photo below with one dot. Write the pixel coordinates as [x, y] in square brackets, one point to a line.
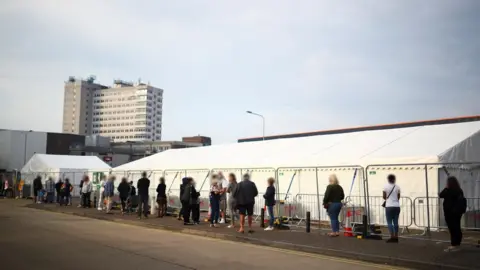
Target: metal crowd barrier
[436, 219]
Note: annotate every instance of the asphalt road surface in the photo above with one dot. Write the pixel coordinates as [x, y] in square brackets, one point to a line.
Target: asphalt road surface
[35, 239]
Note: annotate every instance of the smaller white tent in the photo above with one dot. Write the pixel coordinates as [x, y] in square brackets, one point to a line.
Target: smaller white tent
[60, 166]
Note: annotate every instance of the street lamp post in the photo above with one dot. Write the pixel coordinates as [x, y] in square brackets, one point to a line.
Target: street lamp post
[25, 147]
[263, 122]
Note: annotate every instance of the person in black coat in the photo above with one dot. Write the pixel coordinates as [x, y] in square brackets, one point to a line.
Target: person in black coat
[194, 202]
[58, 189]
[124, 191]
[65, 192]
[269, 197]
[37, 186]
[182, 190]
[454, 206]
[162, 198]
[143, 185]
[187, 200]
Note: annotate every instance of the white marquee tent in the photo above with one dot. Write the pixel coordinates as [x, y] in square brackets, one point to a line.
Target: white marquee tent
[60, 166]
[443, 143]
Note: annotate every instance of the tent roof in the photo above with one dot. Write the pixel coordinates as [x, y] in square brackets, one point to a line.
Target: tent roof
[43, 162]
[432, 143]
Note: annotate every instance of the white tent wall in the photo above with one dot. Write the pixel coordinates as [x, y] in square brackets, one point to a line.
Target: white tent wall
[457, 142]
[59, 166]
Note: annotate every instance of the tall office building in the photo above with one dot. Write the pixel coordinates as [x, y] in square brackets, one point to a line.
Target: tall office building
[123, 112]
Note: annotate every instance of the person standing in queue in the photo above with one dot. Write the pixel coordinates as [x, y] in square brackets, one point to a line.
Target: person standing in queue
[37, 186]
[214, 201]
[223, 185]
[162, 198]
[188, 201]
[182, 190]
[245, 198]
[124, 192]
[232, 204]
[454, 206]
[109, 192]
[195, 203]
[86, 192]
[332, 201]
[132, 201]
[65, 192]
[58, 189]
[143, 185]
[20, 188]
[50, 190]
[269, 197]
[391, 195]
[101, 193]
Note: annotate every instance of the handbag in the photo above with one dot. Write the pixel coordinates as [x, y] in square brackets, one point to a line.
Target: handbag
[385, 202]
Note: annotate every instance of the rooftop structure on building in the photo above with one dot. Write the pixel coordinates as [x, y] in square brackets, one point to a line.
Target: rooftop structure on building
[126, 111]
[367, 128]
[205, 141]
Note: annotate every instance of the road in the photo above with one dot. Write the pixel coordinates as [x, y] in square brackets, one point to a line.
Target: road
[35, 239]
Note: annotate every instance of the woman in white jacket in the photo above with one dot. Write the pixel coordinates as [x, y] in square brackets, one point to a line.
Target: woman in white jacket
[101, 206]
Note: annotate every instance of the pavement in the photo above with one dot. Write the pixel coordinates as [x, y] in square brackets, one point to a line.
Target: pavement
[34, 239]
[412, 253]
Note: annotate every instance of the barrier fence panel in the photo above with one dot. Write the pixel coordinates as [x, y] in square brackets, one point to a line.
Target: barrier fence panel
[292, 181]
[310, 203]
[470, 220]
[377, 211]
[423, 182]
[309, 182]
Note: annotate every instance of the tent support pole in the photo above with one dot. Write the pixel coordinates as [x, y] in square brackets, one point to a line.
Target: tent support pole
[318, 197]
[428, 201]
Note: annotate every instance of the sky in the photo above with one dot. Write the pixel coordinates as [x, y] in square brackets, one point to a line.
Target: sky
[304, 65]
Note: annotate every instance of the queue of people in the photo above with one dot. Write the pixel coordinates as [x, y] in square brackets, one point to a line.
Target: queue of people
[239, 199]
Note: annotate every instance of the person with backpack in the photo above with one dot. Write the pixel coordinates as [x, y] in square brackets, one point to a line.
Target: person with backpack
[454, 206]
[391, 195]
